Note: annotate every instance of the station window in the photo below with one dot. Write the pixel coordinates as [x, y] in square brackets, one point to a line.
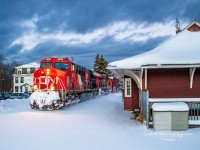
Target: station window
[24, 70]
[22, 79]
[127, 87]
[32, 70]
[16, 80]
[16, 89]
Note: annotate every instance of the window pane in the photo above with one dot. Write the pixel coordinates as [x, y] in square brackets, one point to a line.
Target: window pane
[15, 70]
[16, 88]
[32, 70]
[128, 88]
[22, 79]
[46, 64]
[24, 71]
[16, 79]
[62, 66]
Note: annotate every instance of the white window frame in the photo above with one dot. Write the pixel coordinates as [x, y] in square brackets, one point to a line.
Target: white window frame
[125, 88]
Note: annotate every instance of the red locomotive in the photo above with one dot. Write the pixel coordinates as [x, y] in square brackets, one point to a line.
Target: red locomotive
[61, 82]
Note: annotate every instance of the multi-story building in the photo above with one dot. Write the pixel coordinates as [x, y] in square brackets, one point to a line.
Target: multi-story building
[23, 77]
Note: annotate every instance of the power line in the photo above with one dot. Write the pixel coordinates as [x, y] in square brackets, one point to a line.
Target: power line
[20, 54]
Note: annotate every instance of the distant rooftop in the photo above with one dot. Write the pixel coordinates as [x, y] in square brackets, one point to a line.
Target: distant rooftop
[30, 65]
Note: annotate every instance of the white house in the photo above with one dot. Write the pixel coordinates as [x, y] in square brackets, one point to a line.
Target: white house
[23, 77]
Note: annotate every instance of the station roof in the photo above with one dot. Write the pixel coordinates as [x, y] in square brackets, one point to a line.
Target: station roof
[181, 50]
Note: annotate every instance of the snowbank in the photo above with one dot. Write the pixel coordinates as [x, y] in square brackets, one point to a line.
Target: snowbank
[14, 105]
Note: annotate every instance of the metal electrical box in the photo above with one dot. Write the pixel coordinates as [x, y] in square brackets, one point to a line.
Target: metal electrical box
[166, 118]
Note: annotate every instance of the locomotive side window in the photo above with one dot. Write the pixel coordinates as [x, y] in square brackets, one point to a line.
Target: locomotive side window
[61, 65]
[46, 64]
[73, 67]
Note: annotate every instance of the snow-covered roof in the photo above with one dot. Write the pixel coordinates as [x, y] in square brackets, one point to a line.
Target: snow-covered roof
[182, 49]
[30, 65]
[175, 106]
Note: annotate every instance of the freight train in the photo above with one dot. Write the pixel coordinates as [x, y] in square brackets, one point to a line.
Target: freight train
[60, 82]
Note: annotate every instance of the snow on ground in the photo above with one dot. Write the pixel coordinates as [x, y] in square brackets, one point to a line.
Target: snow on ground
[96, 124]
[14, 105]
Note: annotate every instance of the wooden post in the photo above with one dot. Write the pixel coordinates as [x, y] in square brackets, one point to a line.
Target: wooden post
[145, 80]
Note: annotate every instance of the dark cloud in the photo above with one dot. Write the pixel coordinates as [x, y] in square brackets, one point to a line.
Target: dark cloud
[84, 16]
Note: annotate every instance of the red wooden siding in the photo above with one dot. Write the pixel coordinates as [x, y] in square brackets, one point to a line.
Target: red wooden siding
[128, 103]
[194, 27]
[132, 103]
[172, 83]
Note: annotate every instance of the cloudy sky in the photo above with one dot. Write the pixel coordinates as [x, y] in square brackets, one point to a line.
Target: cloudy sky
[31, 30]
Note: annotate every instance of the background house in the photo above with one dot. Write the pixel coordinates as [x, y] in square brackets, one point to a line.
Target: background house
[23, 77]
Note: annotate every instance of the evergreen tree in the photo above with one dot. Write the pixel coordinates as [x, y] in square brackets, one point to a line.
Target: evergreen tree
[96, 62]
[100, 65]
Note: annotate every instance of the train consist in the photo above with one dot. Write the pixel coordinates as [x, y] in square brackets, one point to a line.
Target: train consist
[60, 82]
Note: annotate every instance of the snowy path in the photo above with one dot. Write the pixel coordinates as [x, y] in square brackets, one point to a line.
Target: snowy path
[97, 124]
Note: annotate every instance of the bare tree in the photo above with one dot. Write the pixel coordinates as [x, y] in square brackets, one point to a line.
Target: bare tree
[6, 74]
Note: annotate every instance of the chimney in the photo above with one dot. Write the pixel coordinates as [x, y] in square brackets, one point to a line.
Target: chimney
[178, 30]
[177, 26]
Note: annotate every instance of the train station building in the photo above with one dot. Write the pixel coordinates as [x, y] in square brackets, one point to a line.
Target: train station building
[171, 70]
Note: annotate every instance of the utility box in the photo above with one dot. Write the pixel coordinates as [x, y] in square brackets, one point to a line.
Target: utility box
[170, 116]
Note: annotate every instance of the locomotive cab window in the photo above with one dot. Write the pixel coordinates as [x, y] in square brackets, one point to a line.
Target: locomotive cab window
[61, 65]
[46, 64]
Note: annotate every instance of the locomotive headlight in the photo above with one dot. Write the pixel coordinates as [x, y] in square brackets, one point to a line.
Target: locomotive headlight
[35, 87]
[48, 71]
[52, 88]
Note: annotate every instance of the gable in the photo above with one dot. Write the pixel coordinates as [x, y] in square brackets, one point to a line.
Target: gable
[194, 27]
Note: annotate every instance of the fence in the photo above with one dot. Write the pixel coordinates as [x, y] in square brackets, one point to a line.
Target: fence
[193, 104]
